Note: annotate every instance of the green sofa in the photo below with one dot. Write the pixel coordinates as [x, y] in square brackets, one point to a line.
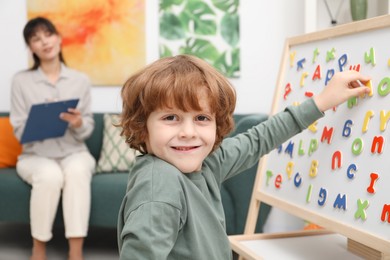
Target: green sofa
[108, 189]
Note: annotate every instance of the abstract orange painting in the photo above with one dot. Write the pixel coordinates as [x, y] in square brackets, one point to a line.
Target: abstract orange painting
[103, 38]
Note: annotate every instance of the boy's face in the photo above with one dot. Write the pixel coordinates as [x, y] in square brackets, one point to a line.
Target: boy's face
[184, 139]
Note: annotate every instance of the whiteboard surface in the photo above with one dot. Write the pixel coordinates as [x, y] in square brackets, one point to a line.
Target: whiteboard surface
[334, 182]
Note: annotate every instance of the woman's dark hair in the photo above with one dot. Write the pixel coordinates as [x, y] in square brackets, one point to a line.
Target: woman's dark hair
[31, 28]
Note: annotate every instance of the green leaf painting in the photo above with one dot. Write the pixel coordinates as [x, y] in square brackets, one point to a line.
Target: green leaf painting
[208, 29]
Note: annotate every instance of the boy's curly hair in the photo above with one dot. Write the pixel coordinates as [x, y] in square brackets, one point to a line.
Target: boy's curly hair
[174, 82]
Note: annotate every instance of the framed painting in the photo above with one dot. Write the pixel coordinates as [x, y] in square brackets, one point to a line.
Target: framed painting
[208, 29]
[104, 39]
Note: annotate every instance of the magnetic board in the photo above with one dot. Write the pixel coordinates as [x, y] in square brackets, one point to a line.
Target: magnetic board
[336, 173]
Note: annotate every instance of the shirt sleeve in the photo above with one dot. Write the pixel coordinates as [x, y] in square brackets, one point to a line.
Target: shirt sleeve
[18, 111]
[241, 152]
[146, 234]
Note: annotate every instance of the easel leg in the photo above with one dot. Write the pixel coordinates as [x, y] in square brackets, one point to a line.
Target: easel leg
[365, 251]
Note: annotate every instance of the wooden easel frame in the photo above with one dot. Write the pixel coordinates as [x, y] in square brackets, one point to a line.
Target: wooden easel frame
[359, 242]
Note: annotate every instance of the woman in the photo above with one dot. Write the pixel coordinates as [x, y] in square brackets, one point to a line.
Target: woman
[58, 166]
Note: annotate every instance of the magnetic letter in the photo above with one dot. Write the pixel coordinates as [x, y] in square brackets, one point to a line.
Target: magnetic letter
[289, 169]
[336, 156]
[308, 196]
[327, 134]
[367, 117]
[386, 211]
[377, 142]
[370, 58]
[352, 102]
[384, 87]
[300, 149]
[342, 61]
[289, 148]
[302, 82]
[315, 54]
[313, 146]
[360, 212]
[322, 195]
[340, 202]
[300, 64]
[317, 73]
[347, 128]
[297, 180]
[287, 90]
[355, 67]
[313, 168]
[357, 146]
[383, 120]
[292, 58]
[351, 168]
[329, 76]
[369, 85]
[269, 175]
[313, 127]
[374, 177]
[330, 54]
[278, 181]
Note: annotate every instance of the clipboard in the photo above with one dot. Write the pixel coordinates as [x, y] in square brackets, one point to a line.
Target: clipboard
[44, 121]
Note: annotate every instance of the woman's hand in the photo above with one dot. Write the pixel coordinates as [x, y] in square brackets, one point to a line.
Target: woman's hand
[73, 117]
[340, 88]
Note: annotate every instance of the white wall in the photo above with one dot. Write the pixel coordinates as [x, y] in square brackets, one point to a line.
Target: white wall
[264, 27]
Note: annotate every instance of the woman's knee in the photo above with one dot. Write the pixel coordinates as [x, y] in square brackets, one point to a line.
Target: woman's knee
[49, 176]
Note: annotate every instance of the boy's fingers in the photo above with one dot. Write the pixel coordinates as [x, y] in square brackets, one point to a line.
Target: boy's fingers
[360, 90]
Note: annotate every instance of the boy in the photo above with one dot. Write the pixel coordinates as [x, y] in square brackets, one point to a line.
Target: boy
[176, 112]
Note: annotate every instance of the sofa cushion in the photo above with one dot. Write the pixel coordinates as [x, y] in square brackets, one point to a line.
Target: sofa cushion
[94, 142]
[14, 197]
[10, 148]
[237, 191]
[115, 156]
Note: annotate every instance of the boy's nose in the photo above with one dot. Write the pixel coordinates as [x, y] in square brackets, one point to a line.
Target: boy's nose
[187, 129]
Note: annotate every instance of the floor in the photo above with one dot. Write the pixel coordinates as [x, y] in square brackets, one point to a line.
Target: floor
[15, 243]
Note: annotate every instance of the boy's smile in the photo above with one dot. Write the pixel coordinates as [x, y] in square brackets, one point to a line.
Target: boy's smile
[183, 139]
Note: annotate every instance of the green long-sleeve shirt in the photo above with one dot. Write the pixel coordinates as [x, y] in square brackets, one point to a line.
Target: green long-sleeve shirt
[170, 215]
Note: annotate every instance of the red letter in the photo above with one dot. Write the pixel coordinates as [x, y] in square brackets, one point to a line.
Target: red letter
[374, 176]
[336, 155]
[317, 73]
[386, 211]
[377, 142]
[327, 134]
[287, 90]
[278, 181]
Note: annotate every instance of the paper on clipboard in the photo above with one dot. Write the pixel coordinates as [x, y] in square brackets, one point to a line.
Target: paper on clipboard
[44, 121]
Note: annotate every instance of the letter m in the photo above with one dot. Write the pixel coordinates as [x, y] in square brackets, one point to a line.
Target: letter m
[340, 202]
[386, 211]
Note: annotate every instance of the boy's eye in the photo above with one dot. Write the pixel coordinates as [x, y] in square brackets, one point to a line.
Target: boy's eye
[202, 118]
[170, 118]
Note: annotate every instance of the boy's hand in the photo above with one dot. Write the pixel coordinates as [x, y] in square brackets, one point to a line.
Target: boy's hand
[73, 117]
[340, 88]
